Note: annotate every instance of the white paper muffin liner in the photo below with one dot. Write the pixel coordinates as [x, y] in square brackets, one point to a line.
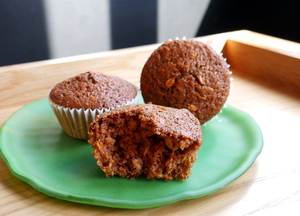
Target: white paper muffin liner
[75, 122]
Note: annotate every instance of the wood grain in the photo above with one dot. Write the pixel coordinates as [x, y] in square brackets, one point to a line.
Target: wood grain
[279, 70]
[270, 187]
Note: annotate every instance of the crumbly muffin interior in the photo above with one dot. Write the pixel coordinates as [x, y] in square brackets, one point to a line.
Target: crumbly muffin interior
[129, 146]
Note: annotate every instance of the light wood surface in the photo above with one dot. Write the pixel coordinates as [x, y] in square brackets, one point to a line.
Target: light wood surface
[270, 187]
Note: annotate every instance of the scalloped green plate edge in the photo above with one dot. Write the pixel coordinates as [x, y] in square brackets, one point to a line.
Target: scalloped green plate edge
[232, 142]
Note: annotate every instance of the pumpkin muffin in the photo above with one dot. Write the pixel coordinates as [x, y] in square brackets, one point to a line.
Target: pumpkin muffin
[187, 74]
[157, 141]
[77, 100]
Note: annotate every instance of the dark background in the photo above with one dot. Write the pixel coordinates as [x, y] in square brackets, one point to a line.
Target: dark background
[23, 36]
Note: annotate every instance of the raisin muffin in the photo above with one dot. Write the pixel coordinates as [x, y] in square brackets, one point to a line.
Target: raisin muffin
[187, 74]
[77, 100]
[157, 141]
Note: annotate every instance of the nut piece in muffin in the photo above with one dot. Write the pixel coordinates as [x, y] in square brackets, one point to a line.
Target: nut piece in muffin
[77, 100]
[187, 74]
[157, 141]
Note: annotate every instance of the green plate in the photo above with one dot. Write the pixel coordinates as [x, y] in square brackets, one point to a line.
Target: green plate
[38, 152]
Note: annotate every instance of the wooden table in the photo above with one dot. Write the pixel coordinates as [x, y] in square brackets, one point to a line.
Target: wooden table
[266, 82]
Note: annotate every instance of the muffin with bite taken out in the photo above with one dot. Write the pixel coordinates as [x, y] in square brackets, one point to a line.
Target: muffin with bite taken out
[146, 139]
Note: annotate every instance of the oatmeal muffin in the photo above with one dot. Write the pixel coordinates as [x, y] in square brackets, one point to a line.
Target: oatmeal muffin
[157, 141]
[187, 74]
[77, 100]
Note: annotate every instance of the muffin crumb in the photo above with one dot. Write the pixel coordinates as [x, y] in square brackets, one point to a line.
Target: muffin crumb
[157, 141]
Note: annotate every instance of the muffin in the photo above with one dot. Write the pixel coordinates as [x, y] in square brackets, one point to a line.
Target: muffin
[146, 139]
[186, 74]
[77, 100]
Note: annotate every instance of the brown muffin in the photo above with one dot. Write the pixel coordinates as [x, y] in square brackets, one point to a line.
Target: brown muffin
[187, 74]
[78, 100]
[92, 90]
[158, 141]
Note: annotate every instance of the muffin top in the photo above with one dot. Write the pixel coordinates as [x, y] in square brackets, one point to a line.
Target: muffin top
[92, 90]
[187, 74]
[160, 120]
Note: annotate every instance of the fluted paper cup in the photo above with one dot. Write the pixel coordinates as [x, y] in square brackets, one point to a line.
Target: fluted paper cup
[75, 122]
